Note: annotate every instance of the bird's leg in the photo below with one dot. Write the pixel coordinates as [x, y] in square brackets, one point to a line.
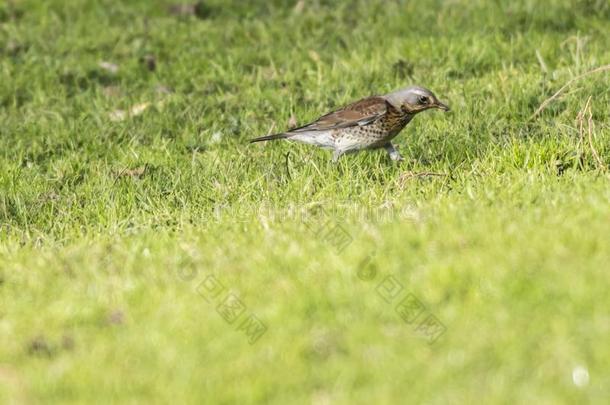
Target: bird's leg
[393, 152]
[336, 155]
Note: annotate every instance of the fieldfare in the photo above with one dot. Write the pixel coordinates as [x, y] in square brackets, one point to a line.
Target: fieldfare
[369, 123]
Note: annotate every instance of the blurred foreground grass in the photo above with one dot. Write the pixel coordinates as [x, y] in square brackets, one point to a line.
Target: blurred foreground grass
[126, 183]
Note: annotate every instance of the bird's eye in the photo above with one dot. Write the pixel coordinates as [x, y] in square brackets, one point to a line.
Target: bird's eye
[423, 100]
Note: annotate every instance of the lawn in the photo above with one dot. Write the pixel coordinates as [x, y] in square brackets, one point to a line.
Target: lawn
[149, 254]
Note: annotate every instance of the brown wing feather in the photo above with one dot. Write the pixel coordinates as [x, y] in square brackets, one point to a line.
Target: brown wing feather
[361, 112]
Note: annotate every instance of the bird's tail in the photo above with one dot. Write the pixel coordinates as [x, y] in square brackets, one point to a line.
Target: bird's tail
[269, 138]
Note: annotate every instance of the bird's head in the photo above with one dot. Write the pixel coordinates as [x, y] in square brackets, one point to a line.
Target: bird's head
[415, 99]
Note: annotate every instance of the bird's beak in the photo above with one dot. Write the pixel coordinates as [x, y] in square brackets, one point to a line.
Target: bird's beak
[442, 106]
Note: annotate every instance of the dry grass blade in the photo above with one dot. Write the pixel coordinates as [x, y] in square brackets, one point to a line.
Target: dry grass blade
[181, 10]
[580, 123]
[133, 111]
[591, 125]
[136, 173]
[109, 67]
[587, 113]
[565, 86]
[413, 175]
[298, 8]
[122, 115]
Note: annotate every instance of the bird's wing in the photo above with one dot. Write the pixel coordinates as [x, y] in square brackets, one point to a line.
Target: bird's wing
[362, 112]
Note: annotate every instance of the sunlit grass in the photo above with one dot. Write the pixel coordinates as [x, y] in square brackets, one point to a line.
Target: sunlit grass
[110, 222]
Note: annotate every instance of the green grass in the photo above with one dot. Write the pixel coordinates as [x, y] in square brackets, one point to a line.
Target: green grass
[108, 228]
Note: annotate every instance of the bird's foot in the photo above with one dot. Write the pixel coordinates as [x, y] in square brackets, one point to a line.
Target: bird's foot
[393, 153]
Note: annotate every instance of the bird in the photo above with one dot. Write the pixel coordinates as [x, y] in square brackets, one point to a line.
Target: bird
[369, 123]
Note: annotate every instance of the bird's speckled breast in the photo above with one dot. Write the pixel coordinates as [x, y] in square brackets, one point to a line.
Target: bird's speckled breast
[375, 134]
